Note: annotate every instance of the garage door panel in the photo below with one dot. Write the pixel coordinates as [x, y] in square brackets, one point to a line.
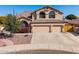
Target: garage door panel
[40, 29]
[56, 29]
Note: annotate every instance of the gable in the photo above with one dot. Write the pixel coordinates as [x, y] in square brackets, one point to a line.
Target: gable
[47, 8]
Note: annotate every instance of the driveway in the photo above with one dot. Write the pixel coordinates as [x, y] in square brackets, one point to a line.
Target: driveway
[55, 38]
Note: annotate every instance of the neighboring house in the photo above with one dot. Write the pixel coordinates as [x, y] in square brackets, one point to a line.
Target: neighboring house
[75, 24]
[45, 19]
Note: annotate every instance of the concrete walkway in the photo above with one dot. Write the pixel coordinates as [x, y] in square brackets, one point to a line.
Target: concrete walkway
[73, 36]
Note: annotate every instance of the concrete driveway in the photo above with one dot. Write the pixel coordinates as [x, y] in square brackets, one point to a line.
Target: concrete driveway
[55, 38]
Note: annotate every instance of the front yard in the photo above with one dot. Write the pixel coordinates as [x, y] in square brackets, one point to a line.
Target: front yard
[41, 38]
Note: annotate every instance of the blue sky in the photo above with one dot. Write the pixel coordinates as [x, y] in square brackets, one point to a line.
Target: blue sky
[66, 9]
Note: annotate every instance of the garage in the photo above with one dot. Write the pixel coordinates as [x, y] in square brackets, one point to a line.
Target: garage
[46, 29]
[47, 26]
[56, 29]
[41, 29]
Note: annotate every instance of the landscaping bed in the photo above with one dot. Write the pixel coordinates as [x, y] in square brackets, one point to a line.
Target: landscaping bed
[21, 39]
[16, 39]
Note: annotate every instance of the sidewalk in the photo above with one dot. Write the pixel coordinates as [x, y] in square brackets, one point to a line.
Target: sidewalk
[30, 48]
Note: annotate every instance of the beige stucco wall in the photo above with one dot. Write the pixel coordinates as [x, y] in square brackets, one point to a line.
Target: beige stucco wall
[58, 16]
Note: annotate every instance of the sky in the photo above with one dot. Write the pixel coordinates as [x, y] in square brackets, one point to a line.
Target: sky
[66, 9]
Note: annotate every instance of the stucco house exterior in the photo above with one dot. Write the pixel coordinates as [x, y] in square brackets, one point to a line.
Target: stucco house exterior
[44, 20]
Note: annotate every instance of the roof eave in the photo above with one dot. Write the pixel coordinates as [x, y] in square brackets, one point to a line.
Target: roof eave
[48, 7]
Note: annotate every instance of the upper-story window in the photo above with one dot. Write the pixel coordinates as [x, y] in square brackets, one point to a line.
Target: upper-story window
[42, 14]
[52, 14]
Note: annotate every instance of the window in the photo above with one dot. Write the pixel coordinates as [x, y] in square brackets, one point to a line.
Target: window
[52, 14]
[42, 15]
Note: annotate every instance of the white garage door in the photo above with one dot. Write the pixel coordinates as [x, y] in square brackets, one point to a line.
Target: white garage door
[56, 29]
[40, 29]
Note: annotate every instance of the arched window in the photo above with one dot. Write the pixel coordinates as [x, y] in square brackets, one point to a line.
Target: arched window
[42, 15]
[52, 14]
[24, 24]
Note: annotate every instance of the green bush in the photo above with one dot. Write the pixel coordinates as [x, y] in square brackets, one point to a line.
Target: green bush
[11, 23]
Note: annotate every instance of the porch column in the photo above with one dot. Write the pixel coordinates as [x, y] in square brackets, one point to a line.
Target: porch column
[37, 16]
[32, 17]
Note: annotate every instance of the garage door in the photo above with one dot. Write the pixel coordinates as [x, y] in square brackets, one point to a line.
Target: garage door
[56, 29]
[40, 29]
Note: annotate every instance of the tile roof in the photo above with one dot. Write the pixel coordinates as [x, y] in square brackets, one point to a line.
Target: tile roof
[25, 14]
[74, 21]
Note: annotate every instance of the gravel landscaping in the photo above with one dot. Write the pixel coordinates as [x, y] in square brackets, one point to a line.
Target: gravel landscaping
[21, 39]
[16, 39]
